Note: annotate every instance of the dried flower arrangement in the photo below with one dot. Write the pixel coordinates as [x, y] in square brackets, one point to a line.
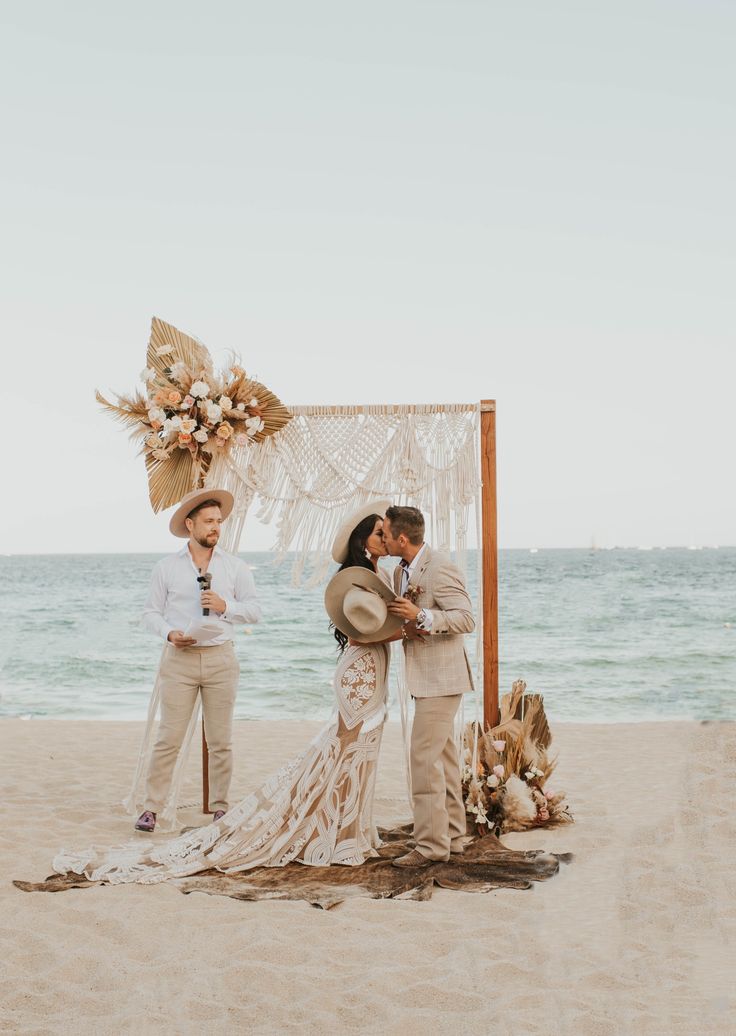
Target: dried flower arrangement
[505, 778]
[187, 413]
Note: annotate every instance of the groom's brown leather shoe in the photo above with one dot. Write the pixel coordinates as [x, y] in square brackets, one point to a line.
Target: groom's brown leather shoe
[413, 859]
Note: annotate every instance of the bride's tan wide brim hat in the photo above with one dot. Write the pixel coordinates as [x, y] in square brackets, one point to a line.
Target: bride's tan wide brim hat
[356, 600]
[342, 538]
[177, 525]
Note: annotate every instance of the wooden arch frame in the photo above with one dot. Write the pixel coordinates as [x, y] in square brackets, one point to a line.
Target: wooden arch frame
[489, 568]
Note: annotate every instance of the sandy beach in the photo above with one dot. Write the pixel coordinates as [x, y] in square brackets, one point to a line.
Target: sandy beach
[635, 936]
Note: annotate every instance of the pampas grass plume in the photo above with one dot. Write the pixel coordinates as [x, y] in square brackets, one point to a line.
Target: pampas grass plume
[519, 808]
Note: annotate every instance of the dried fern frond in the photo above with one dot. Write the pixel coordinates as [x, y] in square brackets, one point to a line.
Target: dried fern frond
[127, 410]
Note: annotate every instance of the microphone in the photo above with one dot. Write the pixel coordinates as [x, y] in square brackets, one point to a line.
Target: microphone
[205, 582]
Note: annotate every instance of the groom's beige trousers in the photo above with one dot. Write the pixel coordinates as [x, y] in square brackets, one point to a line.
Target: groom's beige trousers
[439, 813]
[184, 673]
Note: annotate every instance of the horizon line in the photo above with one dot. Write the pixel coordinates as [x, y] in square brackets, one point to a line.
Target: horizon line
[530, 550]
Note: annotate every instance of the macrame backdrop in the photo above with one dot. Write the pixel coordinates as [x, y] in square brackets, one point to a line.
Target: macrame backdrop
[325, 463]
[328, 461]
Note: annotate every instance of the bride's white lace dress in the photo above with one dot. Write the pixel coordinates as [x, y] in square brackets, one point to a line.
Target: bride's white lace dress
[317, 810]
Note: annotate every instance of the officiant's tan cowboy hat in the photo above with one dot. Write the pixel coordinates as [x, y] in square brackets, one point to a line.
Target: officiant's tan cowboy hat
[178, 526]
[342, 538]
[356, 600]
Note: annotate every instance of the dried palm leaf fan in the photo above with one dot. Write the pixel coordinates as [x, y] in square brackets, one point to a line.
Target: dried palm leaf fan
[189, 415]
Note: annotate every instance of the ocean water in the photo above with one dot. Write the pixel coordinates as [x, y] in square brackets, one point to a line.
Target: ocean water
[610, 635]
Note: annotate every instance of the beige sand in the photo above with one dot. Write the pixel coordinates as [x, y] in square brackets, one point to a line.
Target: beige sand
[636, 936]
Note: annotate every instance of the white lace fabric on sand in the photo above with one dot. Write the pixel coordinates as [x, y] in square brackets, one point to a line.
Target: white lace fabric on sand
[317, 810]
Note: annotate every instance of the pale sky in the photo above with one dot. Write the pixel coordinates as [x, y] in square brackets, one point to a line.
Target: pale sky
[386, 202]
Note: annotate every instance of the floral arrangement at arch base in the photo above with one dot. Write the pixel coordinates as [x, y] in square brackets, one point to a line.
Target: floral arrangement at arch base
[187, 414]
[506, 789]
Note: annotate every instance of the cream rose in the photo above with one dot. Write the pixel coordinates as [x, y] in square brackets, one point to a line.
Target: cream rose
[213, 412]
[199, 389]
[172, 424]
[254, 425]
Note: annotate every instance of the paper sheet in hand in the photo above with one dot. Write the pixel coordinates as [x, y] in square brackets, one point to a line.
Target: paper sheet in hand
[204, 630]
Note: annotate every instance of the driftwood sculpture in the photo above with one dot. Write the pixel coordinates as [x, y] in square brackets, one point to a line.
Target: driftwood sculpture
[486, 864]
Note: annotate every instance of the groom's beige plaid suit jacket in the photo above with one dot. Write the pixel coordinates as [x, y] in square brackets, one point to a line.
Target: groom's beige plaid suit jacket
[437, 665]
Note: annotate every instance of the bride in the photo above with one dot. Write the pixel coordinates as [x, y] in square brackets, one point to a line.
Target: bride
[318, 809]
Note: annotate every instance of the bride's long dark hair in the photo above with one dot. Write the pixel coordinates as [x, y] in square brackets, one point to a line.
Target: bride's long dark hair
[356, 556]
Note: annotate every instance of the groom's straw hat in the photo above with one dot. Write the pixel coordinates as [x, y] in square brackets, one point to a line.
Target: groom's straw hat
[356, 600]
[177, 525]
[342, 537]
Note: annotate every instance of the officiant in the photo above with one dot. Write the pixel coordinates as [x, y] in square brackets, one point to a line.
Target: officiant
[196, 597]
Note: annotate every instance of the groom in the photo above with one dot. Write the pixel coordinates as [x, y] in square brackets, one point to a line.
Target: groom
[434, 601]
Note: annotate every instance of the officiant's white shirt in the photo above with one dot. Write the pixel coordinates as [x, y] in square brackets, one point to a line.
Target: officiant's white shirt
[174, 598]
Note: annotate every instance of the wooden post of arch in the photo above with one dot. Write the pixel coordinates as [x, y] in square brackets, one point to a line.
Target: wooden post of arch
[489, 562]
[205, 773]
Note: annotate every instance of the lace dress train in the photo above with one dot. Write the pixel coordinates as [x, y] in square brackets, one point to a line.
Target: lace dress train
[317, 810]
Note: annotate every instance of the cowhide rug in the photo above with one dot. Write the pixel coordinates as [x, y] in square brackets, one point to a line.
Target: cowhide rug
[486, 864]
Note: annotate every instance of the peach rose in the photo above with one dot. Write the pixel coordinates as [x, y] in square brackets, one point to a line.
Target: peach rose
[184, 438]
[187, 403]
[156, 425]
[173, 397]
[225, 430]
[159, 397]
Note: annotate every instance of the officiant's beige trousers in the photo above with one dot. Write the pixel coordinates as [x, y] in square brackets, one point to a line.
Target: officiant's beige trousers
[437, 799]
[186, 672]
